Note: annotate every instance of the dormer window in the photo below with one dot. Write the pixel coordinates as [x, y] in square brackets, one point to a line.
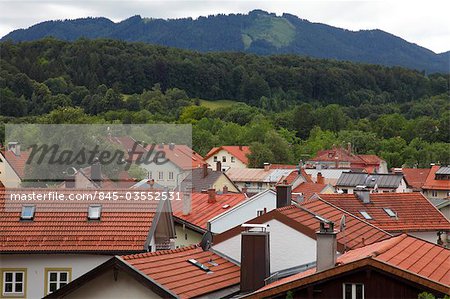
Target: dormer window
[27, 213]
[365, 215]
[390, 212]
[94, 212]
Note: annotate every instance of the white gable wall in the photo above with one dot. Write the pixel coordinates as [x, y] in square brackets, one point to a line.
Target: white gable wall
[244, 212]
[228, 163]
[288, 247]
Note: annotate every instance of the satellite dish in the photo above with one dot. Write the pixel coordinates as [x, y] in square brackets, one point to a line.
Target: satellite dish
[71, 171]
[206, 241]
[342, 223]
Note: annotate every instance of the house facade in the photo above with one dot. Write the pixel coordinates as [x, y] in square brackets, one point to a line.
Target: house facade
[437, 184]
[229, 156]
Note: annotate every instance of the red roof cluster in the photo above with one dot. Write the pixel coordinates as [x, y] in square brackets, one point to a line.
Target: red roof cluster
[416, 177]
[239, 151]
[202, 210]
[413, 211]
[308, 189]
[172, 270]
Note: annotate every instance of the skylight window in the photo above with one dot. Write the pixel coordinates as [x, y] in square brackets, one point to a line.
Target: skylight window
[27, 212]
[365, 215]
[94, 212]
[390, 212]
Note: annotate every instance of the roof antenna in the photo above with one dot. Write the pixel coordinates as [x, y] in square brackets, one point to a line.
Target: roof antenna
[342, 226]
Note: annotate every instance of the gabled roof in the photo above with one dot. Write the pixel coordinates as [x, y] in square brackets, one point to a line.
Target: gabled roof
[303, 219]
[336, 154]
[403, 256]
[414, 211]
[308, 189]
[416, 177]
[181, 155]
[199, 182]
[17, 163]
[371, 159]
[353, 179]
[432, 184]
[169, 273]
[202, 211]
[63, 226]
[238, 151]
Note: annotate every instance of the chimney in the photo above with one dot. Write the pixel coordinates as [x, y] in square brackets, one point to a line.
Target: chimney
[211, 195]
[187, 205]
[14, 147]
[326, 246]
[96, 172]
[171, 146]
[205, 170]
[266, 166]
[240, 147]
[320, 178]
[225, 189]
[69, 181]
[218, 166]
[362, 193]
[300, 166]
[336, 162]
[349, 148]
[284, 193]
[255, 257]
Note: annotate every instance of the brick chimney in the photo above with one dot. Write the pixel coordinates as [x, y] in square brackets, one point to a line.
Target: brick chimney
[284, 195]
[326, 246]
[211, 195]
[362, 193]
[255, 257]
[320, 178]
[240, 147]
[349, 148]
[205, 170]
[96, 172]
[187, 203]
[218, 166]
[225, 189]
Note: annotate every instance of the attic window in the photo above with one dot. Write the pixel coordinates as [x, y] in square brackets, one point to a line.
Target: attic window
[365, 215]
[27, 213]
[199, 265]
[94, 212]
[390, 212]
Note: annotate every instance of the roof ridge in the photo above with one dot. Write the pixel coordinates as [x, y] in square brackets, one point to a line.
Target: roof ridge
[389, 245]
[159, 252]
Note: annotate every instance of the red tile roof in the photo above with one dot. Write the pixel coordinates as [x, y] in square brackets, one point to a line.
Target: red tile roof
[416, 256]
[240, 152]
[309, 189]
[171, 270]
[62, 226]
[414, 211]
[426, 261]
[202, 211]
[370, 159]
[433, 184]
[303, 219]
[181, 155]
[416, 177]
[17, 163]
[340, 153]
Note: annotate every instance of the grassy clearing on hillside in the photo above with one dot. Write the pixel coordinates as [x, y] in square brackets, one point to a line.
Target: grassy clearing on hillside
[217, 104]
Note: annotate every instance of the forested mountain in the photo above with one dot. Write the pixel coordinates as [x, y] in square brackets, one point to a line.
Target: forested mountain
[257, 32]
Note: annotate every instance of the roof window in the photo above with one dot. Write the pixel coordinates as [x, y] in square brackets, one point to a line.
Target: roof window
[390, 212]
[365, 215]
[27, 213]
[94, 212]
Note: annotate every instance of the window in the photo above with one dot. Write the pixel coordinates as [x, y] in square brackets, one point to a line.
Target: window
[224, 159]
[170, 175]
[215, 158]
[390, 212]
[161, 175]
[56, 278]
[150, 175]
[27, 212]
[365, 215]
[94, 212]
[434, 193]
[353, 291]
[233, 159]
[13, 282]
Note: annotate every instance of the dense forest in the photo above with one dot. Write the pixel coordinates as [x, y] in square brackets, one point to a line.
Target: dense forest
[286, 107]
[257, 32]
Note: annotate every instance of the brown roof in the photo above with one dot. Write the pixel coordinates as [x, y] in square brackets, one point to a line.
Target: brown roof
[416, 177]
[309, 189]
[240, 152]
[414, 211]
[419, 261]
[433, 184]
[358, 232]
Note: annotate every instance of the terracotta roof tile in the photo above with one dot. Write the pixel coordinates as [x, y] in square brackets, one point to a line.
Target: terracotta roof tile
[202, 211]
[309, 189]
[414, 211]
[416, 177]
[172, 270]
[240, 152]
[433, 184]
[18, 163]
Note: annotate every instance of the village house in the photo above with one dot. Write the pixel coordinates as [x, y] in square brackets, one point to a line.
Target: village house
[231, 156]
[204, 178]
[12, 165]
[328, 176]
[47, 244]
[338, 157]
[416, 177]
[437, 184]
[395, 213]
[376, 183]
[399, 267]
[306, 190]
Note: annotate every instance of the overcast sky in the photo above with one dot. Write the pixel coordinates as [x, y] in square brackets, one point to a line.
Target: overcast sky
[426, 23]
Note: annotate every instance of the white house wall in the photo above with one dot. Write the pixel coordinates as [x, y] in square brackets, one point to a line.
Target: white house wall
[288, 247]
[36, 264]
[8, 176]
[225, 165]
